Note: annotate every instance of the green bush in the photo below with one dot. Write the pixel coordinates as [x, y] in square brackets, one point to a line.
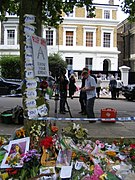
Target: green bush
[10, 67]
[56, 64]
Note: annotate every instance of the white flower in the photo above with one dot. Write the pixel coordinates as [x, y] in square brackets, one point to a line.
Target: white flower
[77, 127]
[86, 130]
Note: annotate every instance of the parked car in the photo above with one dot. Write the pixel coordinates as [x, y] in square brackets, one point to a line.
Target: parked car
[129, 91]
[8, 87]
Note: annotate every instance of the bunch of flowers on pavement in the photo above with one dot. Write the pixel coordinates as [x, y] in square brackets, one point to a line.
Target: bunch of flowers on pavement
[47, 152]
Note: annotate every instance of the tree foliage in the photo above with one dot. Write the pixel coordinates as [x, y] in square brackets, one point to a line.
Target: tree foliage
[10, 67]
[51, 9]
[128, 6]
[56, 64]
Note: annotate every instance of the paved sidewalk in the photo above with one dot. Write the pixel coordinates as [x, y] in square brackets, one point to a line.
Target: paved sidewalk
[96, 130]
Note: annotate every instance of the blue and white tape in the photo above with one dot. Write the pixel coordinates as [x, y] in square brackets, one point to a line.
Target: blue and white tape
[87, 119]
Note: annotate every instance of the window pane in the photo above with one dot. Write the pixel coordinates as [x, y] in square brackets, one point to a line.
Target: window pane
[106, 40]
[89, 39]
[10, 37]
[49, 37]
[88, 63]
[69, 38]
[106, 14]
[69, 61]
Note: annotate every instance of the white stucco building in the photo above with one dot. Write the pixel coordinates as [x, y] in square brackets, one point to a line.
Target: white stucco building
[81, 40]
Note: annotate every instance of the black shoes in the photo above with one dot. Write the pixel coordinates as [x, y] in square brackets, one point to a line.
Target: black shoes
[83, 113]
[62, 112]
[92, 121]
[80, 112]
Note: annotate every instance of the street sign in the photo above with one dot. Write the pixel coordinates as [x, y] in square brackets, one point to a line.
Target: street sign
[40, 57]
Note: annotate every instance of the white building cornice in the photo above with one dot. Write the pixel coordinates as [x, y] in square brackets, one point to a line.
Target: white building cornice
[91, 21]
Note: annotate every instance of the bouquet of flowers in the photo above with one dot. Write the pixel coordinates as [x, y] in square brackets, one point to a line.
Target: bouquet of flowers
[76, 132]
[31, 164]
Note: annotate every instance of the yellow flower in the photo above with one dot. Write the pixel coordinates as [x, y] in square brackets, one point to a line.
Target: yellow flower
[111, 153]
[8, 158]
[4, 175]
[92, 168]
[14, 162]
[103, 177]
[20, 132]
[1, 141]
[73, 154]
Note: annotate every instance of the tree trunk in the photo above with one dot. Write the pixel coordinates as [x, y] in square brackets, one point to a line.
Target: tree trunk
[33, 7]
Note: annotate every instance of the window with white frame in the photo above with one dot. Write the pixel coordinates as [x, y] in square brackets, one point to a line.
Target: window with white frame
[89, 36]
[107, 14]
[49, 37]
[106, 39]
[69, 38]
[88, 63]
[69, 35]
[89, 39]
[10, 37]
[69, 61]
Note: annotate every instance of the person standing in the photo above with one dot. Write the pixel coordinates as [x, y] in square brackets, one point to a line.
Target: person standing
[98, 88]
[90, 89]
[82, 97]
[72, 86]
[112, 87]
[63, 82]
[119, 87]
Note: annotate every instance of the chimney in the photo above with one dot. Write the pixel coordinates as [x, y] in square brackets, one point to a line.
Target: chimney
[111, 2]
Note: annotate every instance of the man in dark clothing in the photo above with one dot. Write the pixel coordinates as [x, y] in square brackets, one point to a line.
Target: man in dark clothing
[83, 98]
[113, 87]
[63, 82]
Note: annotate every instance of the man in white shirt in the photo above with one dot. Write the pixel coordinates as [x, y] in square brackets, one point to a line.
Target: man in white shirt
[90, 88]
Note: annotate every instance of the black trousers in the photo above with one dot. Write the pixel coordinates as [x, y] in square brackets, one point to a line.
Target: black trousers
[83, 100]
[113, 93]
[98, 91]
[90, 107]
[63, 98]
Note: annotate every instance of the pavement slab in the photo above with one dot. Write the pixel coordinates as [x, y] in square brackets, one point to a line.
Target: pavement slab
[95, 130]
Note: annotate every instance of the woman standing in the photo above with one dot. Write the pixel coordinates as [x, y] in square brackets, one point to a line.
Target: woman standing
[72, 86]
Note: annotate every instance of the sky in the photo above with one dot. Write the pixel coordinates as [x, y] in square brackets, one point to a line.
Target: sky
[121, 15]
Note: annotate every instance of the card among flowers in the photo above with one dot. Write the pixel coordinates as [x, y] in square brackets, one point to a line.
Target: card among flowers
[15, 150]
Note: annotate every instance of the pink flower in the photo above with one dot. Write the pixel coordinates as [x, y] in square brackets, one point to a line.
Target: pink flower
[133, 157]
[97, 142]
[94, 177]
[102, 145]
[132, 146]
[97, 173]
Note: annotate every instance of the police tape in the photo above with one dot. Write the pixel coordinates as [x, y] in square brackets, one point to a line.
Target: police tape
[86, 119]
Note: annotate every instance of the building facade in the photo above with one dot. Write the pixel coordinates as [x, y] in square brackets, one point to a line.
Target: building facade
[126, 44]
[81, 40]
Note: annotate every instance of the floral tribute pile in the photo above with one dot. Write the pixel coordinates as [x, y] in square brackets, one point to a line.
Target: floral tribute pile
[49, 154]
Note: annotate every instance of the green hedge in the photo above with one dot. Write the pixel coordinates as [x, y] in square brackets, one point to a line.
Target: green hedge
[10, 67]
